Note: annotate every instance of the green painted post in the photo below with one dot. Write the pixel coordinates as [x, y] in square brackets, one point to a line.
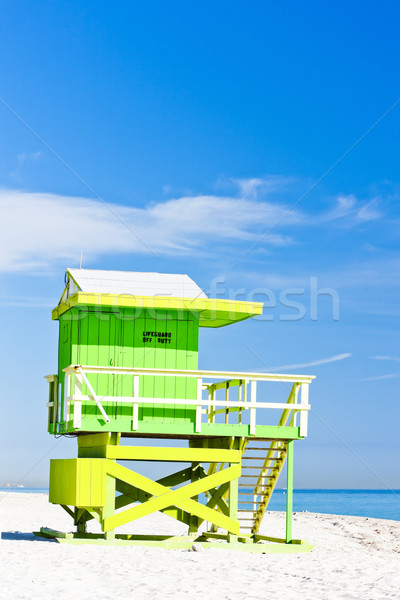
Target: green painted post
[289, 492]
[233, 504]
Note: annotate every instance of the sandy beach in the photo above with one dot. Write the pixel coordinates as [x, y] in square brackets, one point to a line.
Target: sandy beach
[354, 557]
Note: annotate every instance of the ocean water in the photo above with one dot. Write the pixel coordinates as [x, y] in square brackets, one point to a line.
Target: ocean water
[380, 504]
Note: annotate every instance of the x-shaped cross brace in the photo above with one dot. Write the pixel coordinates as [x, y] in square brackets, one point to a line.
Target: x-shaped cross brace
[164, 496]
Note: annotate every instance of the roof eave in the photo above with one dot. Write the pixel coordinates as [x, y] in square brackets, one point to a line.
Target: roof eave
[212, 312]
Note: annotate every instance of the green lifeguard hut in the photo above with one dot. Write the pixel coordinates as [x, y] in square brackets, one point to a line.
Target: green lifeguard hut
[128, 366]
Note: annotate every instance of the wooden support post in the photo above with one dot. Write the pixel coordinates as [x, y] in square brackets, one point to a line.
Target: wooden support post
[80, 521]
[289, 492]
[233, 505]
[114, 439]
[194, 520]
[109, 509]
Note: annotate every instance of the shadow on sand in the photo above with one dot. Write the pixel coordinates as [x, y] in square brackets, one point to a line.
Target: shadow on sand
[22, 536]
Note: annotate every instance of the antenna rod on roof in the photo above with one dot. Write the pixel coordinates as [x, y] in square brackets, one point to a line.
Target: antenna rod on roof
[80, 263]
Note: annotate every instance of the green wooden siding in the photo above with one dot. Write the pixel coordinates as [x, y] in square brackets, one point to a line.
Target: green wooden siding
[132, 338]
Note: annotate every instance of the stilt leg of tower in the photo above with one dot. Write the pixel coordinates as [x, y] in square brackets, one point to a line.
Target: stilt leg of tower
[289, 492]
[233, 505]
[193, 520]
[109, 509]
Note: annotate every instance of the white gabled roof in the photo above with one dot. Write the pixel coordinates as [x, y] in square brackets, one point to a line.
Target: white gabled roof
[135, 283]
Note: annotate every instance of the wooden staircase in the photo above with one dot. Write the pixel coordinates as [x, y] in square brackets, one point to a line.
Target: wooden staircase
[262, 463]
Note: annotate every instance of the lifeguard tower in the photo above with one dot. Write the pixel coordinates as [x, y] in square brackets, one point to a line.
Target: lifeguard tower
[128, 367]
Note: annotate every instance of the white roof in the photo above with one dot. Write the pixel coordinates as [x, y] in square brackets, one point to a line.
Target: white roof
[135, 283]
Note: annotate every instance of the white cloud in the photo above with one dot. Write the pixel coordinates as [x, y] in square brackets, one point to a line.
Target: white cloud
[254, 187]
[348, 210]
[38, 230]
[369, 212]
[314, 363]
[379, 377]
[352, 211]
[395, 358]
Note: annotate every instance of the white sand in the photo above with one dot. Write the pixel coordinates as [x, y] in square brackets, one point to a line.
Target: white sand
[354, 557]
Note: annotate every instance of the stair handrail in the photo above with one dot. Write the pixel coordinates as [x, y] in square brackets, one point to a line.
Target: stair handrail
[274, 449]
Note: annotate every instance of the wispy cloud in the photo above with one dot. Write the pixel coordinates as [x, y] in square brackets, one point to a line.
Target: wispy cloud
[314, 363]
[395, 358]
[382, 272]
[23, 158]
[25, 302]
[350, 210]
[379, 377]
[258, 187]
[40, 230]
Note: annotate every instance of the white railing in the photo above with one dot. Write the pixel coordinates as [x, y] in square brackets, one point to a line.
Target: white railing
[297, 403]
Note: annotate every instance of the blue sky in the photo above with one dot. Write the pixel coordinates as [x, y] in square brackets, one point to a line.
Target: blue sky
[253, 146]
